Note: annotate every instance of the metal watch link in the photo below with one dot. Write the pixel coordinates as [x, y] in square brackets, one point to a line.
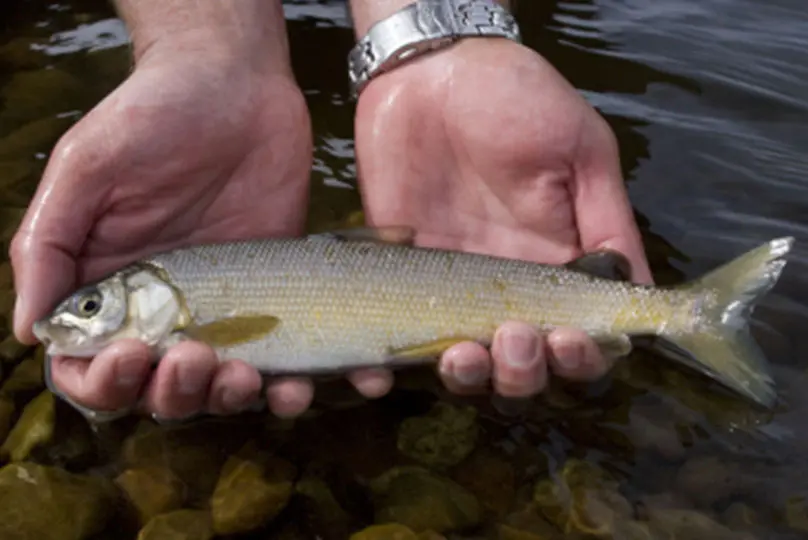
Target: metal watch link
[421, 27]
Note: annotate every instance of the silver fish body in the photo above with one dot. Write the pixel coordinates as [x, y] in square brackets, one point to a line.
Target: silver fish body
[325, 303]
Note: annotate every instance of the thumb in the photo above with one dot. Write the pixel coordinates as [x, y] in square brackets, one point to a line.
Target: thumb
[44, 249]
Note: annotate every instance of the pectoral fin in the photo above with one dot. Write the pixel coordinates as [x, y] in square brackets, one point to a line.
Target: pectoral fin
[234, 330]
[385, 235]
[614, 346]
[604, 263]
[426, 350]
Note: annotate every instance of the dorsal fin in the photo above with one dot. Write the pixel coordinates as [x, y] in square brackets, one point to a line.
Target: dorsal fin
[604, 263]
[384, 235]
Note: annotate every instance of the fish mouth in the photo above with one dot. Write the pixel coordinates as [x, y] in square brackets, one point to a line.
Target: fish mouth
[61, 340]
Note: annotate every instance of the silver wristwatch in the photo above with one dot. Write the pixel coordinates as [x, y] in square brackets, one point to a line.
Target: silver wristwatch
[421, 27]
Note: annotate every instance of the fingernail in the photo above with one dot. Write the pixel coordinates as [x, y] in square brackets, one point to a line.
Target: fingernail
[519, 349]
[571, 358]
[470, 375]
[191, 380]
[128, 372]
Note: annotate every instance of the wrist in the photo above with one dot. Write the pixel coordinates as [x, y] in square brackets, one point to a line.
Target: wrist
[247, 32]
[366, 13]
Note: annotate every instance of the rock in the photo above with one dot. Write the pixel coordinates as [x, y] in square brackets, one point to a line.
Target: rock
[324, 513]
[37, 137]
[42, 93]
[178, 525]
[46, 503]
[20, 53]
[12, 350]
[6, 413]
[796, 513]
[689, 524]
[421, 500]
[740, 516]
[530, 521]
[707, 480]
[151, 491]
[253, 488]
[585, 499]
[34, 428]
[26, 377]
[490, 478]
[442, 438]
[506, 532]
[387, 531]
[7, 282]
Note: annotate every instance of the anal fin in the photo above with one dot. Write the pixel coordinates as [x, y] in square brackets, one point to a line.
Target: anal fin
[614, 346]
[385, 235]
[605, 263]
[233, 330]
[426, 350]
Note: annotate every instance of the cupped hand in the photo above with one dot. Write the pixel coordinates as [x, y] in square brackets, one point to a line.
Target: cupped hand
[484, 147]
[189, 149]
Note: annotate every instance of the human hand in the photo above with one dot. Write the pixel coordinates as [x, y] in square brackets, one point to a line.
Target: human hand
[195, 146]
[484, 147]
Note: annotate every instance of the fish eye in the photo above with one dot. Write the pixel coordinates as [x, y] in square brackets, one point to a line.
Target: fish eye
[87, 304]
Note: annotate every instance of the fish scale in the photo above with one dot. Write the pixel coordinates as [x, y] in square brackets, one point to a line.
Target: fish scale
[346, 304]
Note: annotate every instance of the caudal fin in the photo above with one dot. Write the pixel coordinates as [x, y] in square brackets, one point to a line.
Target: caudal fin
[722, 346]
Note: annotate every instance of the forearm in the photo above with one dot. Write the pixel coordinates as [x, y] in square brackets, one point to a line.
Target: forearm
[367, 12]
[253, 30]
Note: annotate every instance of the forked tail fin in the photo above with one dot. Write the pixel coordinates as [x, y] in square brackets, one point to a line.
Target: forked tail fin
[721, 345]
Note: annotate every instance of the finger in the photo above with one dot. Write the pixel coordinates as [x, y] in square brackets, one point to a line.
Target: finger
[465, 368]
[575, 356]
[520, 368]
[110, 381]
[53, 230]
[372, 383]
[180, 385]
[602, 208]
[236, 386]
[290, 397]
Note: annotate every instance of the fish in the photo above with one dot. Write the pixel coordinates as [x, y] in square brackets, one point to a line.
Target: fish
[331, 302]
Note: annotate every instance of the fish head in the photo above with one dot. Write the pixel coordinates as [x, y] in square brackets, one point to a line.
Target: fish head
[135, 303]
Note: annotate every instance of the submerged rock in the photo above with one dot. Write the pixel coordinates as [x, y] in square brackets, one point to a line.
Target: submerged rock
[26, 377]
[690, 524]
[584, 499]
[442, 438]
[324, 512]
[796, 513]
[421, 500]
[387, 531]
[178, 525]
[490, 478]
[34, 428]
[151, 491]
[46, 503]
[253, 488]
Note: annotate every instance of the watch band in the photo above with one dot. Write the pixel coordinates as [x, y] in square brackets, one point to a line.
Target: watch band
[421, 27]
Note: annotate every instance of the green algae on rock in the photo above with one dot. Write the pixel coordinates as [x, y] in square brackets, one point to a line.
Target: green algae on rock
[34, 428]
[178, 525]
[387, 531]
[422, 500]
[47, 503]
[442, 438]
[26, 377]
[253, 487]
[323, 510]
[490, 478]
[151, 491]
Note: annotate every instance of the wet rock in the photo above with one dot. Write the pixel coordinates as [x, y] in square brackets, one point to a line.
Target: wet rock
[387, 531]
[652, 428]
[707, 480]
[506, 532]
[7, 282]
[17, 184]
[21, 53]
[151, 491]
[195, 454]
[40, 93]
[530, 521]
[34, 428]
[46, 503]
[442, 438]
[26, 377]
[690, 524]
[796, 513]
[323, 511]
[490, 478]
[740, 516]
[253, 488]
[584, 499]
[37, 137]
[6, 413]
[12, 350]
[421, 500]
[178, 525]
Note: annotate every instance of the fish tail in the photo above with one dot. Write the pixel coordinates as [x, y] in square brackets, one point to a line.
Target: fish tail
[721, 345]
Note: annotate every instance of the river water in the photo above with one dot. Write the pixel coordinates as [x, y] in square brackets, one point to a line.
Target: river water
[709, 104]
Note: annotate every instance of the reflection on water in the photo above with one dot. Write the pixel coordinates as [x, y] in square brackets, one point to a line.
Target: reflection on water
[709, 107]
